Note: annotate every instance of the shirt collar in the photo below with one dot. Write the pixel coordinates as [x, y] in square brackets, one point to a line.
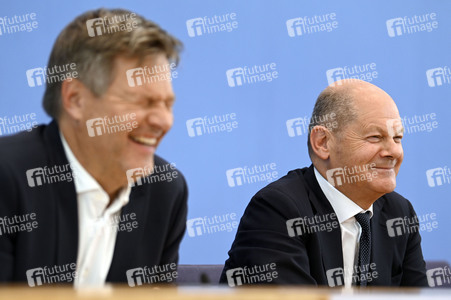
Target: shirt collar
[84, 182]
[344, 207]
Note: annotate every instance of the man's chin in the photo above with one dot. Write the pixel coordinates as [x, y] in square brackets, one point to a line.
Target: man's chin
[385, 186]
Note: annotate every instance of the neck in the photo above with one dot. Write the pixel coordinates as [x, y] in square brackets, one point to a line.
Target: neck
[111, 184]
[358, 194]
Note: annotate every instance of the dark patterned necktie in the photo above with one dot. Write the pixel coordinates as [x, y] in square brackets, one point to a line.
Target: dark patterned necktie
[365, 247]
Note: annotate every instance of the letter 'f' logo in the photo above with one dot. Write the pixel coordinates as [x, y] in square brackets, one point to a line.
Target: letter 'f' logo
[135, 77]
[435, 277]
[35, 177]
[235, 77]
[235, 277]
[195, 27]
[335, 176]
[395, 27]
[235, 177]
[135, 176]
[95, 27]
[135, 277]
[35, 277]
[335, 277]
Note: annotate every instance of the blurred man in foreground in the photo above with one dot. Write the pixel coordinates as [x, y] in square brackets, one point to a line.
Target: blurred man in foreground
[338, 222]
[101, 206]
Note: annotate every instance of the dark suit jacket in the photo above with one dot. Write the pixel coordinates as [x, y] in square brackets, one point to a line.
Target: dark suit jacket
[160, 209]
[262, 236]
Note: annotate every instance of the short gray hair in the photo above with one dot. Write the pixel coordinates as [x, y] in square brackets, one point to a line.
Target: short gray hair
[94, 56]
[333, 100]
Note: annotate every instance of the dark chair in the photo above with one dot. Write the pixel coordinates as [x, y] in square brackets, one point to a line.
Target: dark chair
[210, 274]
[199, 274]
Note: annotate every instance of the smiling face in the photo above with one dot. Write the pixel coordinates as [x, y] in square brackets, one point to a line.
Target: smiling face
[370, 140]
[148, 107]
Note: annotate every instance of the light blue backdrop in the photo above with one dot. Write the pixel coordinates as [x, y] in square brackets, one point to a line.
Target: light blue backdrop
[297, 53]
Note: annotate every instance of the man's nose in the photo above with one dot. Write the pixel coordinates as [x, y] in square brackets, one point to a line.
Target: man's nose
[159, 118]
[392, 149]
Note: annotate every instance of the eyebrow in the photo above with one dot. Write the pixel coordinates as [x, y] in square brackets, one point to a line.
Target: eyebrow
[381, 129]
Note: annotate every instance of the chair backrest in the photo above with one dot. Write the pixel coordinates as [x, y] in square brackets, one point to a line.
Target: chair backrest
[199, 274]
[210, 274]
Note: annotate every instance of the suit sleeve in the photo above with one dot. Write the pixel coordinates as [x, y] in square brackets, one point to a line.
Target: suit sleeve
[178, 225]
[414, 266]
[262, 238]
[8, 208]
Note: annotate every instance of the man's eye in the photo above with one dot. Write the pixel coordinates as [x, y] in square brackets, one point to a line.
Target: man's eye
[169, 104]
[374, 138]
[397, 139]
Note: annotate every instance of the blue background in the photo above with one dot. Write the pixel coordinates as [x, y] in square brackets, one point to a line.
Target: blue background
[262, 109]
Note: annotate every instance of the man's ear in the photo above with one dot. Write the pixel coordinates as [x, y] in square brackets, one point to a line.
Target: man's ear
[319, 140]
[73, 100]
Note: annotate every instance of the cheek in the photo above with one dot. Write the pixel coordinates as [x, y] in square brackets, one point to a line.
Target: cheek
[354, 151]
[171, 120]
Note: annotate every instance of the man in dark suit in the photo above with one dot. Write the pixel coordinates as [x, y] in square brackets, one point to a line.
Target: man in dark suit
[338, 222]
[85, 199]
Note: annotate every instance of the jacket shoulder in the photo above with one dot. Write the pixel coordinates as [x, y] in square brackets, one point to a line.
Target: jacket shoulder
[23, 146]
[394, 204]
[289, 195]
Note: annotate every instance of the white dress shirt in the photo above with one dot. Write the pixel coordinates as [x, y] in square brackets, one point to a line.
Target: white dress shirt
[97, 233]
[345, 209]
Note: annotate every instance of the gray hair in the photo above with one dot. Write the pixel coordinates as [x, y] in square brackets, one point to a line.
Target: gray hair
[94, 56]
[335, 100]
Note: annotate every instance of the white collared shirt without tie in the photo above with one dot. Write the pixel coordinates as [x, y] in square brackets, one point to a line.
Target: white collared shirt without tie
[345, 209]
[96, 220]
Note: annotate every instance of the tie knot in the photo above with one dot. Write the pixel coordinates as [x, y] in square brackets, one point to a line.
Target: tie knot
[363, 219]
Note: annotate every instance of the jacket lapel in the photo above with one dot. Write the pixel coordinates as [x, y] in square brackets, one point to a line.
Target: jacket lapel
[330, 242]
[382, 243]
[65, 199]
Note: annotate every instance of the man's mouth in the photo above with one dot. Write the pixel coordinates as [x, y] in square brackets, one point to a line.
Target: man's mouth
[146, 141]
